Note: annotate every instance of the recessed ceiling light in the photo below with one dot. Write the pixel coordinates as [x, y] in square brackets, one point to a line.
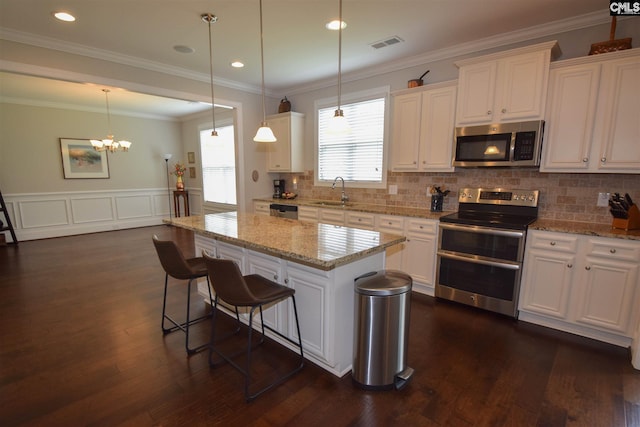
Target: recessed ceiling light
[237, 64]
[64, 16]
[183, 49]
[334, 25]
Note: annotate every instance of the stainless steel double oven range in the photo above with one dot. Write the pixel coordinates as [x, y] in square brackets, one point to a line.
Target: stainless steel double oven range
[481, 248]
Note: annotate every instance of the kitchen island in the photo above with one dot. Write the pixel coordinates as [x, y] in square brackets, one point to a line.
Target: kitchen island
[320, 261]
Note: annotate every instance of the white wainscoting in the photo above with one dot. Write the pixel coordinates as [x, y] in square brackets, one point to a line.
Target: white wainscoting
[44, 215]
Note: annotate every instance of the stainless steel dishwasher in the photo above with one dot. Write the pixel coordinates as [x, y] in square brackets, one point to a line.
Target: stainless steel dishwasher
[284, 211]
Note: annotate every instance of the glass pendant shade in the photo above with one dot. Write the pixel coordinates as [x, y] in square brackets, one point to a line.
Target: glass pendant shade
[338, 125]
[264, 134]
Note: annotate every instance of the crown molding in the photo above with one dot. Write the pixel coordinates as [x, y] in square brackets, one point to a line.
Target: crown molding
[118, 58]
[474, 47]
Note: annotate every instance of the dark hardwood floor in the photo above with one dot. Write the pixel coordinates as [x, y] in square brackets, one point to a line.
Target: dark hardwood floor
[81, 345]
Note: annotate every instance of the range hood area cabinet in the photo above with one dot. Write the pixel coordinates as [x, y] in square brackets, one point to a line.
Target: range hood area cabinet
[504, 87]
[423, 125]
[287, 153]
[593, 113]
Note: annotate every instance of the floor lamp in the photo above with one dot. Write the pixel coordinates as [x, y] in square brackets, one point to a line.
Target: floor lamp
[166, 160]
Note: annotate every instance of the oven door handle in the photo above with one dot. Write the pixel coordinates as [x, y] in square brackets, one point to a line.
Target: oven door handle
[483, 230]
[476, 260]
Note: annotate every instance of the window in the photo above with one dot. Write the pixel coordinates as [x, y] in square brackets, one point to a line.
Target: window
[218, 166]
[358, 156]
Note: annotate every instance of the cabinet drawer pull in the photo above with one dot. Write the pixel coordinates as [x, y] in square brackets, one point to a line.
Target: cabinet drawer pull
[275, 277]
[587, 268]
[504, 110]
[603, 160]
[613, 251]
[286, 281]
[552, 243]
[569, 265]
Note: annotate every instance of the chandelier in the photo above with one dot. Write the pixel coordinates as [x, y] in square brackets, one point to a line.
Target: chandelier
[108, 143]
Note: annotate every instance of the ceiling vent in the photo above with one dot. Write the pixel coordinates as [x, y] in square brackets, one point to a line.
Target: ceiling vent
[386, 42]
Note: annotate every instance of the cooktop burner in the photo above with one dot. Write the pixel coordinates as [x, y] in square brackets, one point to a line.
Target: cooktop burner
[495, 207]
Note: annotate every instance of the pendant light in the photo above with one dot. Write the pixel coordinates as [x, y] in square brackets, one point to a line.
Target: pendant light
[211, 19]
[339, 124]
[108, 144]
[264, 134]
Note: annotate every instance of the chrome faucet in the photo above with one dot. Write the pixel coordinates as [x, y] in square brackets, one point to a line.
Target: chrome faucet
[344, 198]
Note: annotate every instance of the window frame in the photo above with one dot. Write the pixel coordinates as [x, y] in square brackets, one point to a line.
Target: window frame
[217, 206]
[379, 92]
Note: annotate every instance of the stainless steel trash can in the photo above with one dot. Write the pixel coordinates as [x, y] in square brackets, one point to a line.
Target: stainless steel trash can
[381, 330]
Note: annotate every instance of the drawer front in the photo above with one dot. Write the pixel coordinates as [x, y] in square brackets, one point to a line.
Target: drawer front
[390, 224]
[553, 242]
[307, 214]
[421, 226]
[332, 216]
[360, 220]
[614, 249]
[261, 208]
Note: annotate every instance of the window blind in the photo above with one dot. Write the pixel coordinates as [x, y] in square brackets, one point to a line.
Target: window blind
[358, 155]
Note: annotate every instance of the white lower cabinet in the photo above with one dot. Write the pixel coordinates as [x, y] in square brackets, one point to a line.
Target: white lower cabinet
[362, 220]
[331, 216]
[419, 254]
[305, 213]
[582, 284]
[271, 268]
[392, 225]
[311, 299]
[261, 208]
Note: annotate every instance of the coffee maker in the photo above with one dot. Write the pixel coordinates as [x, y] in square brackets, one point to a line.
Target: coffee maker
[278, 188]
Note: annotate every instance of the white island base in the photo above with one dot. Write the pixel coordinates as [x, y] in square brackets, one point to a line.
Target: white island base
[324, 298]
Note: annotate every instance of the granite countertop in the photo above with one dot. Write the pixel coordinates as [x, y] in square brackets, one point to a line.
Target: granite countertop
[318, 245]
[360, 207]
[584, 228]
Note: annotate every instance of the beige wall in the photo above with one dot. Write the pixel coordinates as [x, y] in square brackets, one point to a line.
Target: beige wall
[30, 159]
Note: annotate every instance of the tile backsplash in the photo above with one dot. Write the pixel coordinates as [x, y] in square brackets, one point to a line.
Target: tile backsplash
[563, 196]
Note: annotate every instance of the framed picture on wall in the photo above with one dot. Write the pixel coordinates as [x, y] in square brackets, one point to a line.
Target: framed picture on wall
[191, 156]
[81, 161]
[192, 172]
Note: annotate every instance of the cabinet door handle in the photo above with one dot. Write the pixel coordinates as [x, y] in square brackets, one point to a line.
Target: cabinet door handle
[552, 243]
[286, 281]
[275, 277]
[588, 267]
[603, 160]
[613, 251]
[569, 265]
[585, 160]
[504, 110]
[414, 162]
[488, 112]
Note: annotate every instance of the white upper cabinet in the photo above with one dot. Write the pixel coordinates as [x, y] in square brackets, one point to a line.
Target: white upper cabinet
[423, 125]
[594, 114]
[287, 153]
[504, 87]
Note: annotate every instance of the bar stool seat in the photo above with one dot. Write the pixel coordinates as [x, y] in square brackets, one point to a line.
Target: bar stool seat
[177, 266]
[250, 291]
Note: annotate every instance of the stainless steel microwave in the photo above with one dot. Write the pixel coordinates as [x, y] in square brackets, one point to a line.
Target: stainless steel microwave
[504, 144]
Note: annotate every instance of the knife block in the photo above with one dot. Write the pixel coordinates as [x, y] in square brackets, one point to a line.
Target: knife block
[631, 223]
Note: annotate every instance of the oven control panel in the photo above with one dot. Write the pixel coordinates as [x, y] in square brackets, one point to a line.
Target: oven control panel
[499, 196]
